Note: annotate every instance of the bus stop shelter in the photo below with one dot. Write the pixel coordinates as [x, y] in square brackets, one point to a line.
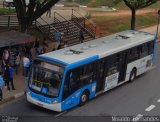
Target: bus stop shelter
[12, 38]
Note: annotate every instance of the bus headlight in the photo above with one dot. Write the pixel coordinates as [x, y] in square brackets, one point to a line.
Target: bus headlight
[29, 93]
[55, 102]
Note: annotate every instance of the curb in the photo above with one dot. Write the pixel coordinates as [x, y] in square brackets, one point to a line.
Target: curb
[18, 95]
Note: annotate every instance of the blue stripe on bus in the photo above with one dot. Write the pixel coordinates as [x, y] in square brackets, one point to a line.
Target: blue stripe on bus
[43, 98]
[82, 62]
[74, 99]
[62, 84]
[55, 60]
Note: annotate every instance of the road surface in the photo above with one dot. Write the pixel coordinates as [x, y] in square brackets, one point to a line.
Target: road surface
[142, 97]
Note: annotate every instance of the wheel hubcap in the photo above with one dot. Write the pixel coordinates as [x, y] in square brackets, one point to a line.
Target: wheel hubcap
[84, 98]
[132, 78]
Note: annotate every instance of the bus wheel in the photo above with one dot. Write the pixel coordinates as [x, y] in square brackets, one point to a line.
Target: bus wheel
[84, 98]
[132, 75]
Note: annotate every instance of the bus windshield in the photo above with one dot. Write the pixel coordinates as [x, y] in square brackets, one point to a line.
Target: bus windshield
[45, 78]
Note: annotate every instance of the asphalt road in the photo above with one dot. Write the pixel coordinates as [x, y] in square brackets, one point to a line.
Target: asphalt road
[131, 99]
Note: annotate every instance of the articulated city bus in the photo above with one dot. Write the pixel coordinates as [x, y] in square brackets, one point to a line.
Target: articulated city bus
[65, 78]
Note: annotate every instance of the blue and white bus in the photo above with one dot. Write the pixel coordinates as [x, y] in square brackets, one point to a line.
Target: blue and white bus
[65, 78]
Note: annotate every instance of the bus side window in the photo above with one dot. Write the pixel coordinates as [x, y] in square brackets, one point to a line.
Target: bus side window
[143, 50]
[87, 74]
[66, 91]
[133, 54]
[113, 64]
[150, 46]
[71, 83]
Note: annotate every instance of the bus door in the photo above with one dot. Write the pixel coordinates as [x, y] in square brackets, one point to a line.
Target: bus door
[122, 66]
[71, 93]
[100, 75]
[112, 72]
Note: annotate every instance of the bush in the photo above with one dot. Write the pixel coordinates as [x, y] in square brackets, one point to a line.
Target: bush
[7, 11]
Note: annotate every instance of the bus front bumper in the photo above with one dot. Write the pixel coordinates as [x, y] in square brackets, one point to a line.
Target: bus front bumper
[54, 107]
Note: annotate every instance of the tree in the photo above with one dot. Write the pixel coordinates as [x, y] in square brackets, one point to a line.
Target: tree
[135, 5]
[26, 14]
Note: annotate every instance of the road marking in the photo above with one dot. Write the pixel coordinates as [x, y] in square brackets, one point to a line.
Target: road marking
[60, 114]
[137, 118]
[158, 101]
[150, 108]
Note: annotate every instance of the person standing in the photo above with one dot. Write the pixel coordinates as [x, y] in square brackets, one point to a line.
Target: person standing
[36, 46]
[49, 12]
[64, 44]
[1, 85]
[61, 38]
[17, 63]
[45, 45]
[26, 64]
[81, 36]
[6, 77]
[58, 37]
[11, 71]
[6, 57]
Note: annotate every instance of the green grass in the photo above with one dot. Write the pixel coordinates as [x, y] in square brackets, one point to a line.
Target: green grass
[119, 6]
[155, 6]
[117, 24]
[84, 2]
[122, 6]
[6, 11]
[146, 20]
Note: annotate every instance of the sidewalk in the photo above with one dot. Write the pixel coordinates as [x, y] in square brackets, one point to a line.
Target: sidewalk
[19, 84]
[20, 81]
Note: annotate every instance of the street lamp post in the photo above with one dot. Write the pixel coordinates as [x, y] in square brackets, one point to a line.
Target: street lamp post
[158, 24]
[156, 37]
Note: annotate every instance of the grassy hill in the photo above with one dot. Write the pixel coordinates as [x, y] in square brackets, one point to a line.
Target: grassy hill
[98, 3]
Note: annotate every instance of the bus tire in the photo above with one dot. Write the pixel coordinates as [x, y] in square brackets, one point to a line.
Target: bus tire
[132, 75]
[84, 98]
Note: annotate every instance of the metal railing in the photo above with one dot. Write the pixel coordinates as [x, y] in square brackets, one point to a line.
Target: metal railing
[84, 22]
[8, 22]
[45, 27]
[62, 19]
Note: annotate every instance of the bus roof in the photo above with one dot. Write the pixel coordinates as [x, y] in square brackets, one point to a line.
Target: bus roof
[99, 48]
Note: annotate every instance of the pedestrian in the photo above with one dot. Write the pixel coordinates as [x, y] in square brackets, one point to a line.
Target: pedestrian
[45, 45]
[28, 51]
[49, 12]
[36, 47]
[11, 71]
[17, 63]
[58, 38]
[26, 64]
[6, 57]
[81, 36]
[65, 44]
[1, 85]
[36, 44]
[6, 77]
